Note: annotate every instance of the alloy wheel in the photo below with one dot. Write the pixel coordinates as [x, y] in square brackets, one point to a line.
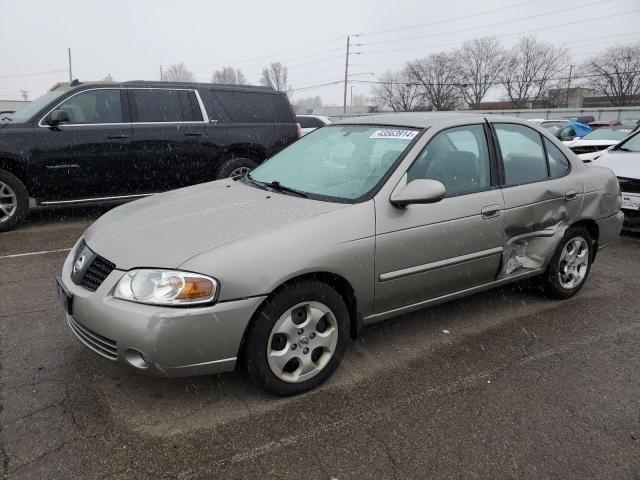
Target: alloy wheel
[239, 172]
[302, 342]
[574, 263]
[8, 202]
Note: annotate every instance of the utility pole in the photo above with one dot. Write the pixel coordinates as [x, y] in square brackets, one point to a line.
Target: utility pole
[346, 74]
[161, 74]
[569, 85]
[352, 95]
[70, 71]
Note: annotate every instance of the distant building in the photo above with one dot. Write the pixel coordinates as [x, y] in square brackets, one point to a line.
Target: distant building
[13, 105]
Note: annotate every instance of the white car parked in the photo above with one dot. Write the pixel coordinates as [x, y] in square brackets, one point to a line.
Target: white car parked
[309, 123]
[624, 160]
[593, 144]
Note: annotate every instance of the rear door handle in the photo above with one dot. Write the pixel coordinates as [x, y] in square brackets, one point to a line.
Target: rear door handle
[117, 137]
[194, 134]
[490, 211]
[571, 194]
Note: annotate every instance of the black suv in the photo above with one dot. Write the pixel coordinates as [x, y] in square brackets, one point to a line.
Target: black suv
[113, 142]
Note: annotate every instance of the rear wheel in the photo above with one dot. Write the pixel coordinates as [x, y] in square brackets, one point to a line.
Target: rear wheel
[297, 338]
[14, 201]
[570, 265]
[236, 167]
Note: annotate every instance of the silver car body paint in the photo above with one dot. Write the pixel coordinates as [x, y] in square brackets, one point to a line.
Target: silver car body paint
[394, 259]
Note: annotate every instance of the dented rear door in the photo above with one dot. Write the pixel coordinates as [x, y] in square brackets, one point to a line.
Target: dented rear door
[541, 196]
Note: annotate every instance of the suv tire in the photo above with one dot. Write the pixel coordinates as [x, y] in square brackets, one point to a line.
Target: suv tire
[14, 201]
[235, 167]
[570, 265]
[312, 346]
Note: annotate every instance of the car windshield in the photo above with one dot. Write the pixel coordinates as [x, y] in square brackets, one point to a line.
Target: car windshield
[34, 107]
[341, 161]
[553, 127]
[607, 134]
[631, 145]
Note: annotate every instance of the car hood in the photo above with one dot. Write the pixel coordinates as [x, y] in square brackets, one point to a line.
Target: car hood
[623, 164]
[590, 143]
[166, 230]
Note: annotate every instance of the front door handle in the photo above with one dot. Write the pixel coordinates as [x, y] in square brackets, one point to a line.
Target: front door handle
[490, 211]
[571, 194]
[117, 137]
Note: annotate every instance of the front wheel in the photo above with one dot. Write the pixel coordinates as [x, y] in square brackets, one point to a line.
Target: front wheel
[297, 338]
[570, 265]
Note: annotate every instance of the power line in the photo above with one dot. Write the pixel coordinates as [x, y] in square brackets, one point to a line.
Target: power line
[529, 17]
[506, 34]
[21, 75]
[272, 55]
[438, 22]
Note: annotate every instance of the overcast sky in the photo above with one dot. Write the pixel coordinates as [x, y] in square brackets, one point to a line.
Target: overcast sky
[130, 39]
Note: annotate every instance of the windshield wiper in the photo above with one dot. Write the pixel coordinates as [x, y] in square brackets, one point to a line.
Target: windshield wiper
[283, 188]
[7, 118]
[276, 186]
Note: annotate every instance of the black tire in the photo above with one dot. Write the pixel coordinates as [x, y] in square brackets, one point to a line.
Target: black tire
[9, 218]
[227, 168]
[254, 354]
[550, 280]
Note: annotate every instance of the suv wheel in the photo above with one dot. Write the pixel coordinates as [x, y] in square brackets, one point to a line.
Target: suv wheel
[297, 338]
[570, 265]
[14, 201]
[236, 167]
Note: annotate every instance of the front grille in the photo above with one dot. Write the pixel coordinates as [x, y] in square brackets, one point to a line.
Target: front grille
[92, 270]
[98, 270]
[629, 185]
[96, 342]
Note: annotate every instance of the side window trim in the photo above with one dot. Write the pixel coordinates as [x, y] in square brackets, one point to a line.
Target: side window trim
[126, 113]
[489, 150]
[134, 113]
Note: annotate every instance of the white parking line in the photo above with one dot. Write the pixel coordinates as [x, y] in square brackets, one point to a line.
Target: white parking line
[35, 253]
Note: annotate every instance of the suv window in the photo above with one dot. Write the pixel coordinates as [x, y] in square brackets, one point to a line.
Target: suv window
[558, 163]
[94, 106]
[457, 157]
[164, 105]
[522, 154]
[309, 122]
[255, 106]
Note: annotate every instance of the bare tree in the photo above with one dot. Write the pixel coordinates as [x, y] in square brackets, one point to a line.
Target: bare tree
[479, 63]
[531, 69]
[616, 73]
[178, 73]
[229, 76]
[397, 90]
[275, 76]
[308, 103]
[439, 80]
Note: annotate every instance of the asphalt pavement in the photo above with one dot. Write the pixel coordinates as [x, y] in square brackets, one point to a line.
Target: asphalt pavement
[503, 384]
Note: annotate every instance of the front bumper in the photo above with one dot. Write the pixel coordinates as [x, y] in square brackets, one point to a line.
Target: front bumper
[174, 342]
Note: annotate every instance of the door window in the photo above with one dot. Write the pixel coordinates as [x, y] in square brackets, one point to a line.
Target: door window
[156, 105]
[457, 157]
[94, 106]
[558, 163]
[522, 154]
[255, 106]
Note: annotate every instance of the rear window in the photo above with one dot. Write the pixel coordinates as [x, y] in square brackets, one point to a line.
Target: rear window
[255, 106]
[309, 122]
[164, 105]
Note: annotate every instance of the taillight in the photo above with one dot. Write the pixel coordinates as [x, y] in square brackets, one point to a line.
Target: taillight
[298, 130]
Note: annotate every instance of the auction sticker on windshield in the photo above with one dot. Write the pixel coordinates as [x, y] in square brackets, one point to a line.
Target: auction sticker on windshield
[631, 202]
[405, 134]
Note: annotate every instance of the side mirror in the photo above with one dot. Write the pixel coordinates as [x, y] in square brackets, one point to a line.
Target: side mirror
[418, 192]
[57, 117]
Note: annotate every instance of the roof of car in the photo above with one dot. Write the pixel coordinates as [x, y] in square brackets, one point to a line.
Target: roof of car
[152, 83]
[423, 119]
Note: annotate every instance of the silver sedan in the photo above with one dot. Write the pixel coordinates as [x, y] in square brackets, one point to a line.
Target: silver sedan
[356, 222]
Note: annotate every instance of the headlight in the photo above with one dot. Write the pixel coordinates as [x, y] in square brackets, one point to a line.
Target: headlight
[166, 287]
